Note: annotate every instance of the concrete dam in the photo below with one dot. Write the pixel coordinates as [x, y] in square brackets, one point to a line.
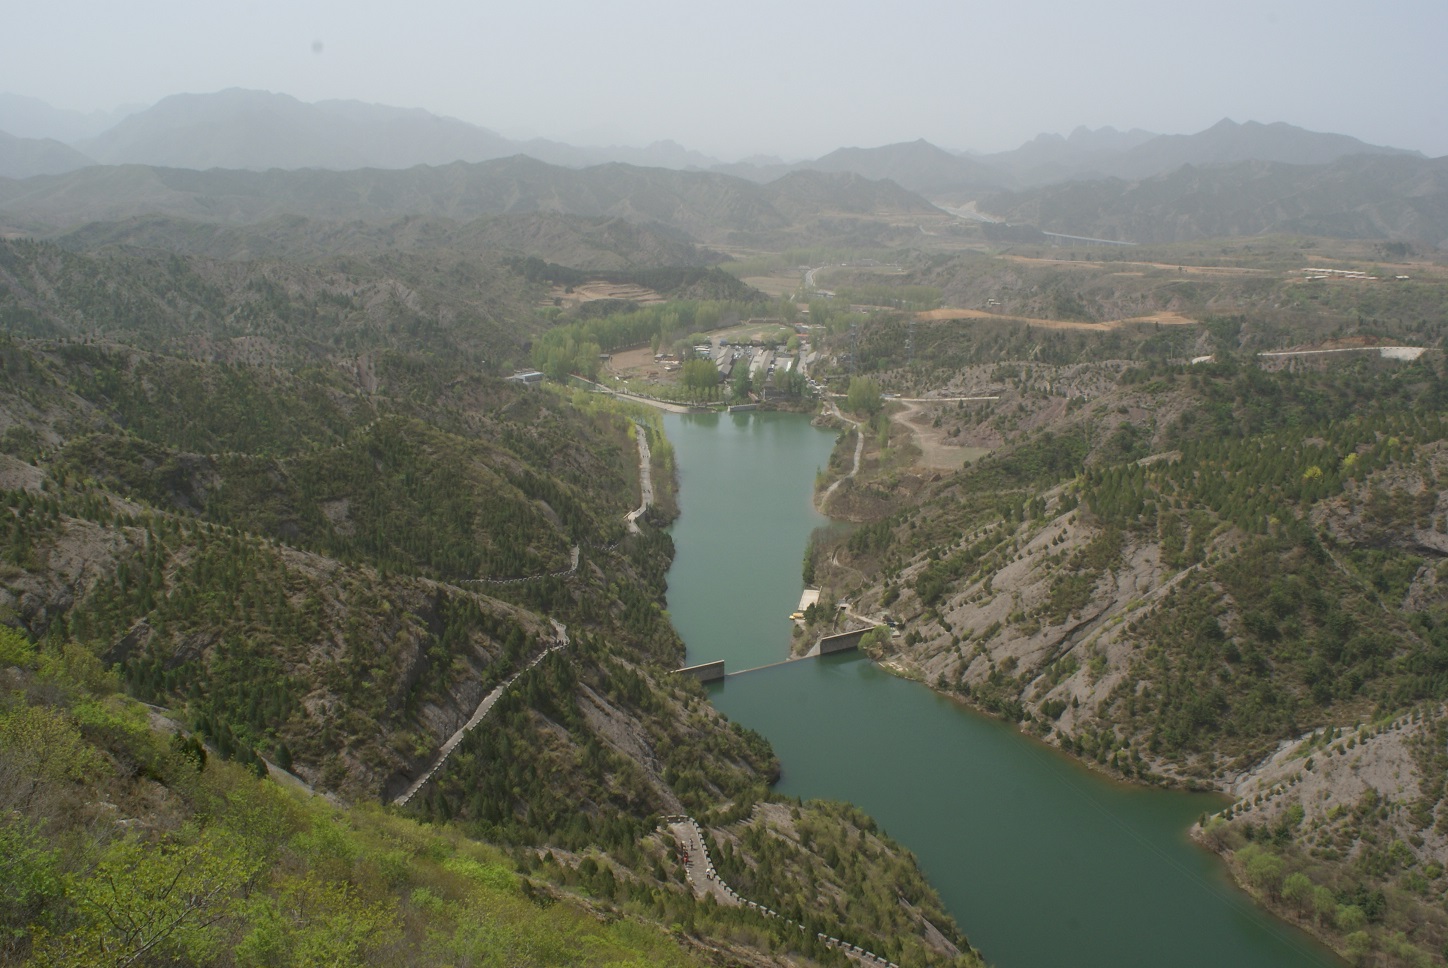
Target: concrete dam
[827, 645]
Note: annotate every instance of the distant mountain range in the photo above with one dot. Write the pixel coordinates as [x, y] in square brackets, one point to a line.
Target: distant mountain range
[259, 130]
[1051, 157]
[705, 206]
[29, 117]
[1227, 142]
[24, 157]
[241, 156]
[1359, 196]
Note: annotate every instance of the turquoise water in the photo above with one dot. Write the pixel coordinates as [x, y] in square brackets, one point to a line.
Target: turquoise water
[1040, 861]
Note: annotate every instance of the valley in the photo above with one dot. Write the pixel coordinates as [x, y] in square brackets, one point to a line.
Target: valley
[1155, 535]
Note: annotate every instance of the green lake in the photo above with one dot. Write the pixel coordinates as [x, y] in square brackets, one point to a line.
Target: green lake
[1041, 862]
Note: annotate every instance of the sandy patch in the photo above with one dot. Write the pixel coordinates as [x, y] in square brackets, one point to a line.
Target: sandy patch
[937, 450]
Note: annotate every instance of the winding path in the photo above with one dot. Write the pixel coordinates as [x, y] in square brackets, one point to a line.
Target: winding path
[560, 641]
[698, 865]
[559, 630]
[699, 869]
[859, 453]
[572, 567]
[646, 481]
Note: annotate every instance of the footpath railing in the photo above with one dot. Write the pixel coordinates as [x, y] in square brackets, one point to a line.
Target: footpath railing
[573, 567]
[711, 874]
[560, 640]
[486, 706]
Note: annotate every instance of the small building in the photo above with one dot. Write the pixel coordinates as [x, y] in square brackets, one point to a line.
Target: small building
[528, 378]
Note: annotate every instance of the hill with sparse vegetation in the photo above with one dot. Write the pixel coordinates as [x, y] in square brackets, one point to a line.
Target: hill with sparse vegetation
[1222, 575]
[290, 505]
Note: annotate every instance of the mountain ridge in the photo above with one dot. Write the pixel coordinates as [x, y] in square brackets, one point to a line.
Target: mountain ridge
[1390, 197]
[706, 206]
[24, 157]
[243, 128]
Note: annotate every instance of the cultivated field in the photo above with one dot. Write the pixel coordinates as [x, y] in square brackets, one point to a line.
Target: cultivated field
[571, 296]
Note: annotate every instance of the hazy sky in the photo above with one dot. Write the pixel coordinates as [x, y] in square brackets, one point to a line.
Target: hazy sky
[788, 77]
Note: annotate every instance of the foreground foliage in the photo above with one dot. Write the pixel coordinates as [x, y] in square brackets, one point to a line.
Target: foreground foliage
[128, 845]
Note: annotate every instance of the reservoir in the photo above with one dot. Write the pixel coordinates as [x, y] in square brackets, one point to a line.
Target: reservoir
[1041, 862]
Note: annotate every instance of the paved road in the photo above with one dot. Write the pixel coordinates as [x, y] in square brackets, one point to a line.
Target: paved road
[939, 399]
[1387, 352]
[809, 280]
[650, 401]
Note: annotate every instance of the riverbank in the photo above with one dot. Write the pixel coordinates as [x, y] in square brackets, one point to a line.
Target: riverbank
[998, 635]
[1040, 860]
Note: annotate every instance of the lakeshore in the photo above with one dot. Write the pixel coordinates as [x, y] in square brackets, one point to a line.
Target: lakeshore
[1039, 860]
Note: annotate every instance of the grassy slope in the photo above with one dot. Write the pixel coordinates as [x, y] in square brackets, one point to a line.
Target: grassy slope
[126, 842]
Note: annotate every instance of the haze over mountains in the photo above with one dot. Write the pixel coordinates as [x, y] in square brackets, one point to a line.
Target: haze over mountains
[347, 159]
[259, 130]
[705, 206]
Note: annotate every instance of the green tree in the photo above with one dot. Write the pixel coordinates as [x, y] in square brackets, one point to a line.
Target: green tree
[1264, 869]
[740, 383]
[863, 396]
[1324, 904]
[1298, 889]
[146, 900]
[40, 749]
[28, 871]
[700, 377]
[1351, 918]
[790, 382]
[312, 923]
[1359, 944]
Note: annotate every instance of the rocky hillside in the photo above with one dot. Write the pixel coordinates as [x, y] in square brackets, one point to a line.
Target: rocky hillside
[1185, 574]
[125, 840]
[1394, 197]
[246, 296]
[705, 206]
[286, 503]
[585, 243]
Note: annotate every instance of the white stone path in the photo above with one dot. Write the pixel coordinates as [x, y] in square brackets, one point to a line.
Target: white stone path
[560, 641]
[699, 868]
